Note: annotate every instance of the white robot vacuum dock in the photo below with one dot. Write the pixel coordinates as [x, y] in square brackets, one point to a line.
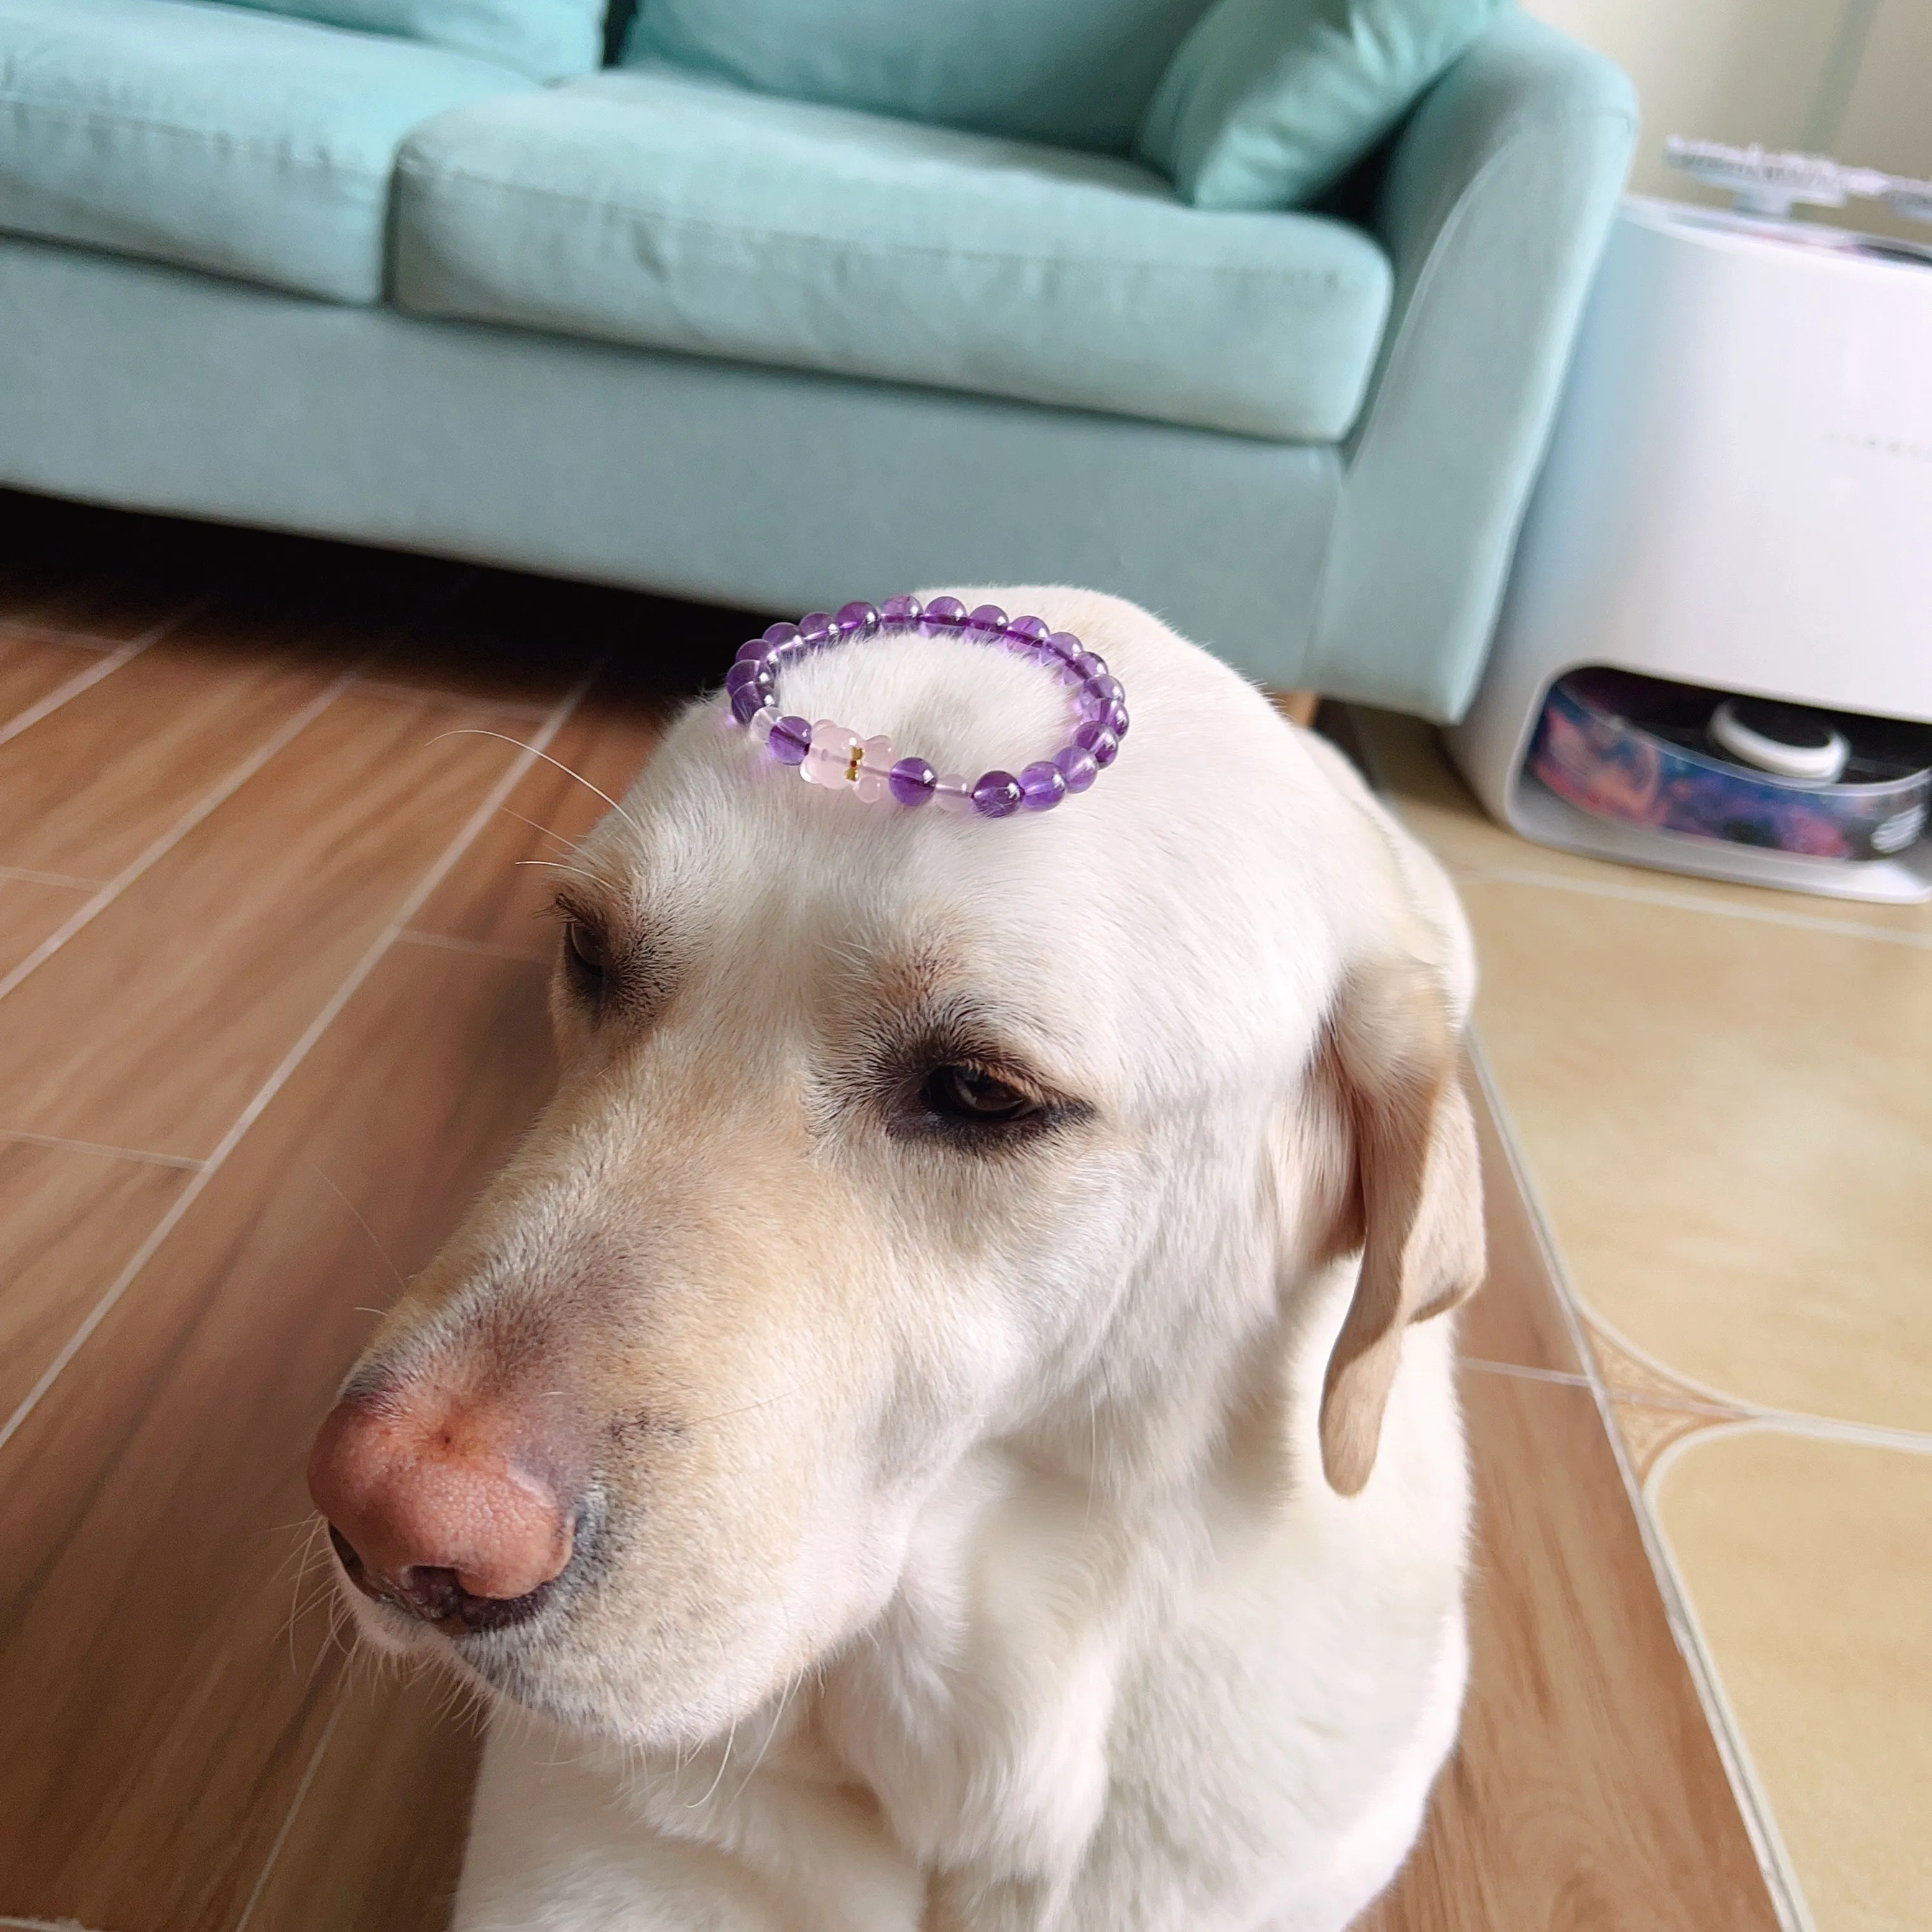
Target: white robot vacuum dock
[1738, 498]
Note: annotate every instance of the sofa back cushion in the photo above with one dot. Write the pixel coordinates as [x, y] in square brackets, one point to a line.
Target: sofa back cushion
[1076, 74]
[1269, 102]
[545, 39]
[669, 212]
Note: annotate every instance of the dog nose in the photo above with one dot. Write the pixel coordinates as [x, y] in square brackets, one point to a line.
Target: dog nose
[436, 1507]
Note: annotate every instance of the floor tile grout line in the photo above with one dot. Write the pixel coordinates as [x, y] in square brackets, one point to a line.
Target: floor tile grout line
[25, 631]
[24, 875]
[1707, 1397]
[1818, 1428]
[204, 807]
[1773, 1858]
[1783, 1421]
[86, 680]
[339, 1704]
[488, 949]
[21, 1137]
[1563, 1378]
[412, 905]
[1478, 873]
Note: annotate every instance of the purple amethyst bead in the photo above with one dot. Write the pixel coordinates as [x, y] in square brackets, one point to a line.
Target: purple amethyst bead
[1063, 645]
[791, 739]
[997, 795]
[758, 651]
[779, 635]
[1091, 736]
[984, 623]
[942, 613]
[1042, 786]
[1086, 664]
[815, 628]
[747, 701]
[1115, 718]
[859, 619]
[748, 670]
[911, 781]
[1078, 766]
[900, 610]
[1026, 634]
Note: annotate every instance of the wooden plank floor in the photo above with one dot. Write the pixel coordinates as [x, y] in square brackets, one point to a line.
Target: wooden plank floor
[272, 964]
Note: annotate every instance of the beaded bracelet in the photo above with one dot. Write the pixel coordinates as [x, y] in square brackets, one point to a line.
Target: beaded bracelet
[832, 755]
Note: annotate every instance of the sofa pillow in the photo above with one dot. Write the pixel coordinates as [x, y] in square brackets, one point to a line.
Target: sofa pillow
[545, 39]
[1268, 102]
[1076, 74]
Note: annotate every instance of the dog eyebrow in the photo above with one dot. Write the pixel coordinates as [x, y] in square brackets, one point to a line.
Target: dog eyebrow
[639, 964]
[952, 1024]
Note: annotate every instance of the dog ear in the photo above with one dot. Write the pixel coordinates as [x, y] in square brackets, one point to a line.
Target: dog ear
[1391, 1052]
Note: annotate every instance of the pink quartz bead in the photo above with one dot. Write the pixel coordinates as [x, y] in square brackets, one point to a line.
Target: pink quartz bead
[830, 758]
[875, 775]
[952, 796]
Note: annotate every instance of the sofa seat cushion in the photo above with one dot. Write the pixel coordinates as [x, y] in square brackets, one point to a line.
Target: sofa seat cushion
[238, 141]
[645, 208]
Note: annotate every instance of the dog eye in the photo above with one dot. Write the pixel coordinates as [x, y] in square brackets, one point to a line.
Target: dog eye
[970, 1094]
[583, 956]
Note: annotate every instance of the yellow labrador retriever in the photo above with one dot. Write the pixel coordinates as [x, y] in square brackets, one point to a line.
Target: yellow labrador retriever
[939, 1427]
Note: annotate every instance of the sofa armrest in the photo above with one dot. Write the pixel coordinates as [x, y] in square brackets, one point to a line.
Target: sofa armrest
[1497, 198]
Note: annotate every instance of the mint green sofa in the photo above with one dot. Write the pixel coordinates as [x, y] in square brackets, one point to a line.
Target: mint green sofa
[902, 312]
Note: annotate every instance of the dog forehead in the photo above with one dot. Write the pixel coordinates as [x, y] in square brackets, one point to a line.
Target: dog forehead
[1194, 883]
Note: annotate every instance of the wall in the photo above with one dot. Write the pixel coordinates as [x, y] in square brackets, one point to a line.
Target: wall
[1849, 77]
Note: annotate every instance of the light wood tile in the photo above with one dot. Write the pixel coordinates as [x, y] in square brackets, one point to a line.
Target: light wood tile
[154, 1024]
[31, 910]
[1586, 1792]
[1809, 1567]
[32, 668]
[500, 893]
[87, 789]
[154, 1726]
[1731, 1129]
[69, 1220]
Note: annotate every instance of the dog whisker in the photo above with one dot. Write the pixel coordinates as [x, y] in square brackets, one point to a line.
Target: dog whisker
[568, 844]
[477, 731]
[730, 1741]
[360, 1223]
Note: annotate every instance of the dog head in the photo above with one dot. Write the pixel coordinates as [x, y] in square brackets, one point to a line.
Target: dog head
[883, 1134]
